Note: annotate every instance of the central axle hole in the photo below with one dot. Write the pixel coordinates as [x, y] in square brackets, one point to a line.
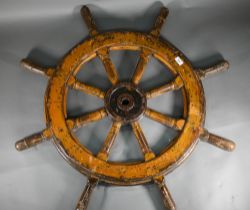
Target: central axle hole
[125, 101]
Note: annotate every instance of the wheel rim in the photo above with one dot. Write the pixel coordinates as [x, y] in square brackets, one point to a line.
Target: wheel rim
[129, 173]
[98, 168]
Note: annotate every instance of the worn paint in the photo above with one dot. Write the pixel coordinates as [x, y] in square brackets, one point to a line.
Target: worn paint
[98, 167]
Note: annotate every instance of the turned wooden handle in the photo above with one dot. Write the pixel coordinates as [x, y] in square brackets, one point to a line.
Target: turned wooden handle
[167, 198]
[218, 141]
[88, 18]
[84, 199]
[219, 67]
[29, 141]
[33, 140]
[27, 64]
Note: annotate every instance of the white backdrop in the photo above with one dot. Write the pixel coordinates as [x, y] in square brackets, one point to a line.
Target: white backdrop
[44, 31]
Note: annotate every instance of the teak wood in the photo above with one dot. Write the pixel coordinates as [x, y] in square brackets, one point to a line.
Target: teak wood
[125, 103]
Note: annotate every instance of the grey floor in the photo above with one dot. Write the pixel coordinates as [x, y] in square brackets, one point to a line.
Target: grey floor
[205, 30]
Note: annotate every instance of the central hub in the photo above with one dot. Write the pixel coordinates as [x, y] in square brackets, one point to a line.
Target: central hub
[125, 102]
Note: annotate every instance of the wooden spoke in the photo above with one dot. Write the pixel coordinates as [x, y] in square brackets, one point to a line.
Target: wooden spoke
[167, 198]
[217, 68]
[148, 153]
[33, 140]
[89, 20]
[108, 65]
[84, 199]
[37, 138]
[141, 65]
[173, 85]
[159, 22]
[109, 141]
[103, 54]
[164, 119]
[217, 141]
[88, 89]
[26, 64]
[83, 120]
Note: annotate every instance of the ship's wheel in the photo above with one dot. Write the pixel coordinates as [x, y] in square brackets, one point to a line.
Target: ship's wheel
[125, 103]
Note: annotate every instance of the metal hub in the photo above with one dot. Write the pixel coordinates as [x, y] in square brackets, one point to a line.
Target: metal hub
[125, 102]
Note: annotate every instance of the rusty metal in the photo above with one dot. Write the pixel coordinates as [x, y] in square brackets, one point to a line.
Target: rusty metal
[125, 103]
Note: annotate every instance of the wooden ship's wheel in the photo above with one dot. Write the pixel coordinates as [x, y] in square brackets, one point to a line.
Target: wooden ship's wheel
[125, 103]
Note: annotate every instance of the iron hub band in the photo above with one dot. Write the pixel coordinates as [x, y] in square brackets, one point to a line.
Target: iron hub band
[125, 102]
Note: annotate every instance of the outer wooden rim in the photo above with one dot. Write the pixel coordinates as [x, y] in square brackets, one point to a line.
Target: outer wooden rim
[121, 173]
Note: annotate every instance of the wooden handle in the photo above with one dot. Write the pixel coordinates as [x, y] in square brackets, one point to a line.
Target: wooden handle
[217, 141]
[84, 199]
[159, 21]
[29, 141]
[26, 64]
[88, 18]
[167, 198]
[219, 67]
[32, 140]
